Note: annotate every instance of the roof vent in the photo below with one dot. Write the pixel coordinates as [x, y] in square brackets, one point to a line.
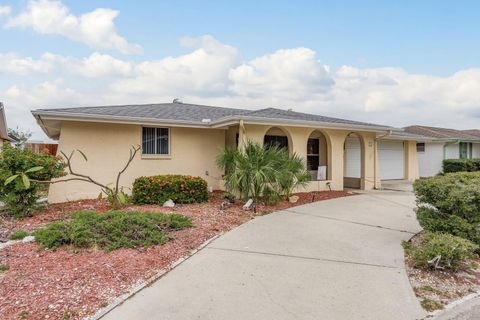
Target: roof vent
[206, 120]
[289, 109]
[177, 100]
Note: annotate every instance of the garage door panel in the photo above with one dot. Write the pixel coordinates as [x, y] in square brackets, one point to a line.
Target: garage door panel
[391, 157]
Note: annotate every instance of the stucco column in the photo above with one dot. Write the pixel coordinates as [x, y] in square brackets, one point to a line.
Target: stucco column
[411, 161]
[336, 157]
[299, 137]
[368, 154]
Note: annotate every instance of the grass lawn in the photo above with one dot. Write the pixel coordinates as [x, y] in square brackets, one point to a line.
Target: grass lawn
[72, 281]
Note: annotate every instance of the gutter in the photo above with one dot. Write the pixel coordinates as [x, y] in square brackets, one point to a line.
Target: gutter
[297, 123]
[375, 156]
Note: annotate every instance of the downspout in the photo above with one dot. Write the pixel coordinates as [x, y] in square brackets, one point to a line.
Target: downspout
[375, 155]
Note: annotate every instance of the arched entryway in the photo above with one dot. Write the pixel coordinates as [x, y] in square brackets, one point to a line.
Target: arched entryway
[318, 155]
[276, 136]
[353, 173]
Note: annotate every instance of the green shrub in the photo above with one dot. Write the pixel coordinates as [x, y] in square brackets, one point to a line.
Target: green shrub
[21, 200]
[255, 171]
[112, 230]
[452, 194]
[158, 189]
[461, 165]
[430, 305]
[18, 235]
[452, 250]
[431, 219]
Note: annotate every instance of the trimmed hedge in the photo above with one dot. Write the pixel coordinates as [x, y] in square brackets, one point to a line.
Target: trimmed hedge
[451, 204]
[461, 165]
[432, 220]
[158, 189]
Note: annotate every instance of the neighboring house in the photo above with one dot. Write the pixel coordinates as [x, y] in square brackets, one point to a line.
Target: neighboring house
[443, 143]
[180, 138]
[41, 146]
[3, 126]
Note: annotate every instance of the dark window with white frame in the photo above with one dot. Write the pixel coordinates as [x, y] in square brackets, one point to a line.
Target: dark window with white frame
[155, 141]
[421, 147]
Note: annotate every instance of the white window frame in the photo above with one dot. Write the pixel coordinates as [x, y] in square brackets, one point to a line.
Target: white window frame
[157, 155]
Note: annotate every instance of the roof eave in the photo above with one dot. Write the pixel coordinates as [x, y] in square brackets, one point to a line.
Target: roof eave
[41, 115]
[67, 116]
[298, 123]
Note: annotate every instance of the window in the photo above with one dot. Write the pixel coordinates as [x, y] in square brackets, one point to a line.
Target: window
[155, 141]
[313, 154]
[421, 147]
[465, 150]
[279, 141]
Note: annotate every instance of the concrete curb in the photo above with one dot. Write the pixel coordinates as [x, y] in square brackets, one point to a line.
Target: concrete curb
[142, 285]
[452, 305]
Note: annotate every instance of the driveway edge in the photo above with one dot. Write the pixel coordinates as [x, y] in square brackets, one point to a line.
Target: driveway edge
[451, 306]
[138, 287]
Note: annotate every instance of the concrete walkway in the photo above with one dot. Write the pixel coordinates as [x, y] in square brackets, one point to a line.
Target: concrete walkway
[335, 259]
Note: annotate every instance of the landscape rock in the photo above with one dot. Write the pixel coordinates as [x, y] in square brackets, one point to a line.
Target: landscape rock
[248, 205]
[169, 204]
[293, 199]
[28, 239]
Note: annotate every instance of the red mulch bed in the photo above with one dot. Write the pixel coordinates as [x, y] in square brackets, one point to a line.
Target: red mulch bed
[73, 284]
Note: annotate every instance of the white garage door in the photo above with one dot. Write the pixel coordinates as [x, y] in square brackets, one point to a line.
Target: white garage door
[352, 157]
[391, 158]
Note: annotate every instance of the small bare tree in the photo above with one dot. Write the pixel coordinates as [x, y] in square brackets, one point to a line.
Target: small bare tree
[114, 192]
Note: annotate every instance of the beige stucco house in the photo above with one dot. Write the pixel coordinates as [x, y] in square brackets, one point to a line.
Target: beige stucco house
[180, 138]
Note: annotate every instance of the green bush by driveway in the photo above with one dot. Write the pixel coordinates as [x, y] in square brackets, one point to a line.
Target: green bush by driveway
[180, 189]
[450, 203]
[450, 250]
[111, 230]
[461, 165]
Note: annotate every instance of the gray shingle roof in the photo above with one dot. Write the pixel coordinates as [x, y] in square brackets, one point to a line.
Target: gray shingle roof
[441, 133]
[273, 113]
[196, 113]
[161, 111]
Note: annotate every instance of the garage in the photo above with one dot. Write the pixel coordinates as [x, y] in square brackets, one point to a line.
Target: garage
[391, 158]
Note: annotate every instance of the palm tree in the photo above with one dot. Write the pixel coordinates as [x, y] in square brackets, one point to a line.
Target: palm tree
[255, 171]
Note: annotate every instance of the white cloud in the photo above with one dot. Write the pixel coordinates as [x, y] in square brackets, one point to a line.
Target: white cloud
[95, 28]
[288, 73]
[94, 66]
[100, 65]
[211, 74]
[12, 63]
[204, 71]
[5, 11]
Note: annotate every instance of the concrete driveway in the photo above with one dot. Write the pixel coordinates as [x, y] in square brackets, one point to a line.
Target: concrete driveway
[335, 259]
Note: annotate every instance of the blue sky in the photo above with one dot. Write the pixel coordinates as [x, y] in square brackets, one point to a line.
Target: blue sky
[386, 58]
[436, 37]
